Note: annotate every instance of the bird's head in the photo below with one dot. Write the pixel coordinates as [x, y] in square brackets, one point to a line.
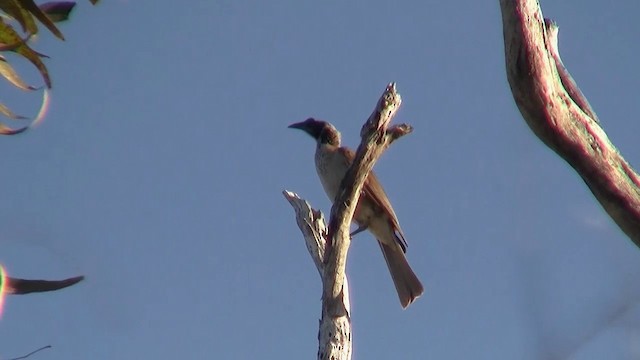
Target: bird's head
[322, 131]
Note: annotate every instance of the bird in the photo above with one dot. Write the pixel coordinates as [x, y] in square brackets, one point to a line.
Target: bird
[373, 211]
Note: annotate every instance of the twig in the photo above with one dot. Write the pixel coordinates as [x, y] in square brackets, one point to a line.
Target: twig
[31, 353]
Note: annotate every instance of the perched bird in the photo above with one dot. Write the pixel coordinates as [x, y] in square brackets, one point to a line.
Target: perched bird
[373, 211]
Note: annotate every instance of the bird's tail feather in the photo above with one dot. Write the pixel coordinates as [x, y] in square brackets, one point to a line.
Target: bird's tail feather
[407, 283]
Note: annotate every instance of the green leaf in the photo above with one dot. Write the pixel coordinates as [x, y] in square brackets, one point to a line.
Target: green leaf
[12, 76]
[4, 110]
[10, 37]
[22, 16]
[30, 6]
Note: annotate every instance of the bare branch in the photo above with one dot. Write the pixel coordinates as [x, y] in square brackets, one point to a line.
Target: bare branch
[375, 139]
[555, 109]
[331, 256]
[334, 334]
[311, 223]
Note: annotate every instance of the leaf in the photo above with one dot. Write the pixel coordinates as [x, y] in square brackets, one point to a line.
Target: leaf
[10, 47]
[58, 10]
[5, 130]
[42, 113]
[12, 76]
[30, 6]
[4, 110]
[9, 36]
[22, 16]
[22, 286]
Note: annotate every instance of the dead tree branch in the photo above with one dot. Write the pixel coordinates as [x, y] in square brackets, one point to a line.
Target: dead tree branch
[335, 326]
[334, 334]
[375, 139]
[555, 109]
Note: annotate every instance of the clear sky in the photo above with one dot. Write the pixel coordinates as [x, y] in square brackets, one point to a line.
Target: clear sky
[158, 175]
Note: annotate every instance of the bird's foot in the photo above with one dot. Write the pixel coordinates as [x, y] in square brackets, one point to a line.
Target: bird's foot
[358, 230]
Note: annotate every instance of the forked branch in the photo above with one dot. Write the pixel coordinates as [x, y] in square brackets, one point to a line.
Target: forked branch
[329, 248]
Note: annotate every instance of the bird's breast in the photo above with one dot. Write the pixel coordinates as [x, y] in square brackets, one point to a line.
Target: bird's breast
[332, 167]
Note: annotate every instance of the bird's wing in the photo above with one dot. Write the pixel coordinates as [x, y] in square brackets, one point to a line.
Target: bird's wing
[374, 191]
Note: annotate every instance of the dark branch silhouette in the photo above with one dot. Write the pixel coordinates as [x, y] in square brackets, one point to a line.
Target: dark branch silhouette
[31, 353]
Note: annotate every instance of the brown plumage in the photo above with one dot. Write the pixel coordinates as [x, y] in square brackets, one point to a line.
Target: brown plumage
[373, 211]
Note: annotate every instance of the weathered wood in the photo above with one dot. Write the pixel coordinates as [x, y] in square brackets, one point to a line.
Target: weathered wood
[329, 249]
[334, 333]
[557, 112]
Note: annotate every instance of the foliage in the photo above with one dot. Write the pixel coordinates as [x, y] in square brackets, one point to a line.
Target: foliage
[25, 14]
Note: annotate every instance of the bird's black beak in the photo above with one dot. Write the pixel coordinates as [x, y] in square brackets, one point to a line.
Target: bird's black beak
[299, 125]
[311, 126]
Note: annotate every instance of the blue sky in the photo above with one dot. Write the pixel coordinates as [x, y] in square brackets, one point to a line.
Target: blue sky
[158, 175]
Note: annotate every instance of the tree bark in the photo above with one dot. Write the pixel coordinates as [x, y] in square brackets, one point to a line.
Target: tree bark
[334, 334]
[330, 257]
[555, 109]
